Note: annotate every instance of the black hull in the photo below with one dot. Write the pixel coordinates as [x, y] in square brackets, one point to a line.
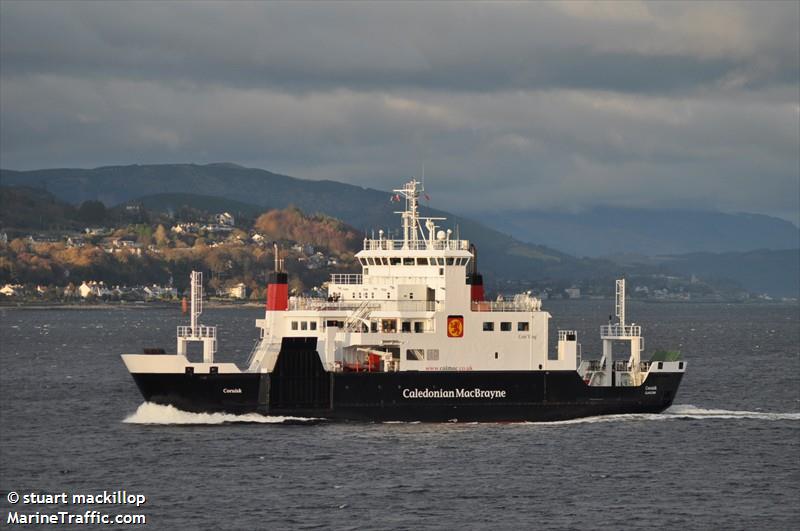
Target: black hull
[300, 387]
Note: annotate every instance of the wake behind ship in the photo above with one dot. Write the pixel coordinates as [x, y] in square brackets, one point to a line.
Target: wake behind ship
[410, 338]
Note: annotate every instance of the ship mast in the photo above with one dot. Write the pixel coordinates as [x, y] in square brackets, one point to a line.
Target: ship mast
[197, 332]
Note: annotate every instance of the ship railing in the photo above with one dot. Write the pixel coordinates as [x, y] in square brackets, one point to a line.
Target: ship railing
[567, 335]
[505, 306]
[198, 332]
[616, 330]
[418, 245]
[378, 280]
[319, 304]
[346, 278]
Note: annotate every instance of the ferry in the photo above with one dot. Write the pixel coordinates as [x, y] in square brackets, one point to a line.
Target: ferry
[410, 338]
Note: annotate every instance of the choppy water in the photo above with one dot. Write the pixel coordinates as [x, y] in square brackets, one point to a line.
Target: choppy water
[725, 456]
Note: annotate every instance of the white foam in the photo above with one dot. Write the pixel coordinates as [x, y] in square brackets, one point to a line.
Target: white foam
[679, 411]
[149, 413]
[690, 411]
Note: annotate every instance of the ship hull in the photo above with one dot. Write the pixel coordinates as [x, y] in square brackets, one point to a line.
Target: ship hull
[300, 387]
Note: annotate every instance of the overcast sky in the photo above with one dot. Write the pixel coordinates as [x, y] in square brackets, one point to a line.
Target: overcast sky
[518, 105]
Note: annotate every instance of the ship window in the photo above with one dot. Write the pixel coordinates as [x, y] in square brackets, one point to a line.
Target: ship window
[384, 261]
[418, 327]
[303, 325]
[366, 271]
[363, 261]
[294, 325]
[389, 326]
[497, 356]
[488, 326]
[312, 325]
[371, 261]
[405, 326]
[660, 365]
[433, 354]
[505, 326]
[373, 327]
[410, 295]
[415, 354]
[422, 261]
[523, 326]
[408, 261]
[450, 261]
[441, 271]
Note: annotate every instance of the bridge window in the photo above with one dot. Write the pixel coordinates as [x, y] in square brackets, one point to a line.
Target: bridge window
[303, 325]
[418, 327]
[389, 326]
[415, 354]
[523, 326]
[433, 354]
[422, 261]
[505, 326]
[394, 260]
[294, 325]
[488, 326]
[405, 326]
[450, 261]
[312, 325]
[408, 261]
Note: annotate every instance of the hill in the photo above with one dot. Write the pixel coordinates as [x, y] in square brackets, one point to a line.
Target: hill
[22, 207]
[607, 231]
[501, 255]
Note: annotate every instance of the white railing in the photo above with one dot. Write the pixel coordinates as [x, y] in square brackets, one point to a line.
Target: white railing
[199, 332]
[616, 330]
[562, 335]
[520, 303]
[319, 304]
[419, 245]
[346, 278]
[316, 304]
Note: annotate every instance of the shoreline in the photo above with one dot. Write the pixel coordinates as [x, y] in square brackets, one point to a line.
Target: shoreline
[35, 305]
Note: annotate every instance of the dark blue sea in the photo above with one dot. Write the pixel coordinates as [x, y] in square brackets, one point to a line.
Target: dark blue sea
[725, 456]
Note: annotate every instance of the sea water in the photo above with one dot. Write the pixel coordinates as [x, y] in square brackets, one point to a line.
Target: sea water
[725, 456]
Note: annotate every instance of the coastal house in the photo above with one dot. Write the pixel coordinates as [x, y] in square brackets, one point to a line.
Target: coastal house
[12, 290]
[93, 288]
[225, 219]
[159, 292]
[238, 291]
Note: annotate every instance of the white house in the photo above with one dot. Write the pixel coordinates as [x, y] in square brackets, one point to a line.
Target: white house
[11, 290]
[239, 291]
[225, 219]
[98, 289]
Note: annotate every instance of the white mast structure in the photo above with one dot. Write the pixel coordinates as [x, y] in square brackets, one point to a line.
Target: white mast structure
[195, 331]
[411, 220]
[621, 331]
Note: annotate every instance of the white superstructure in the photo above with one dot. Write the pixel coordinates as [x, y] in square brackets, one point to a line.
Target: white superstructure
[412, 306]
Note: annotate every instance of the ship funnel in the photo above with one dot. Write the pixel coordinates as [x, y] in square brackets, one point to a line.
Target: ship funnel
[475, 279]
[278, 286]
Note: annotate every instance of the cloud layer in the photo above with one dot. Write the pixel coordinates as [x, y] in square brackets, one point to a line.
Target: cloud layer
[552, 106]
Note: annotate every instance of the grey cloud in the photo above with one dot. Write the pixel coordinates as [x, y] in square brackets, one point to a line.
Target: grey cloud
[464, 47]
[556, 106]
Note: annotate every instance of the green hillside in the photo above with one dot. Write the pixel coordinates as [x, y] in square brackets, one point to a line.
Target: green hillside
[501, 256]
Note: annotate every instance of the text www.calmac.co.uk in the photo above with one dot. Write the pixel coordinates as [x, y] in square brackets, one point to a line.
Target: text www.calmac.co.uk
[66, 517]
